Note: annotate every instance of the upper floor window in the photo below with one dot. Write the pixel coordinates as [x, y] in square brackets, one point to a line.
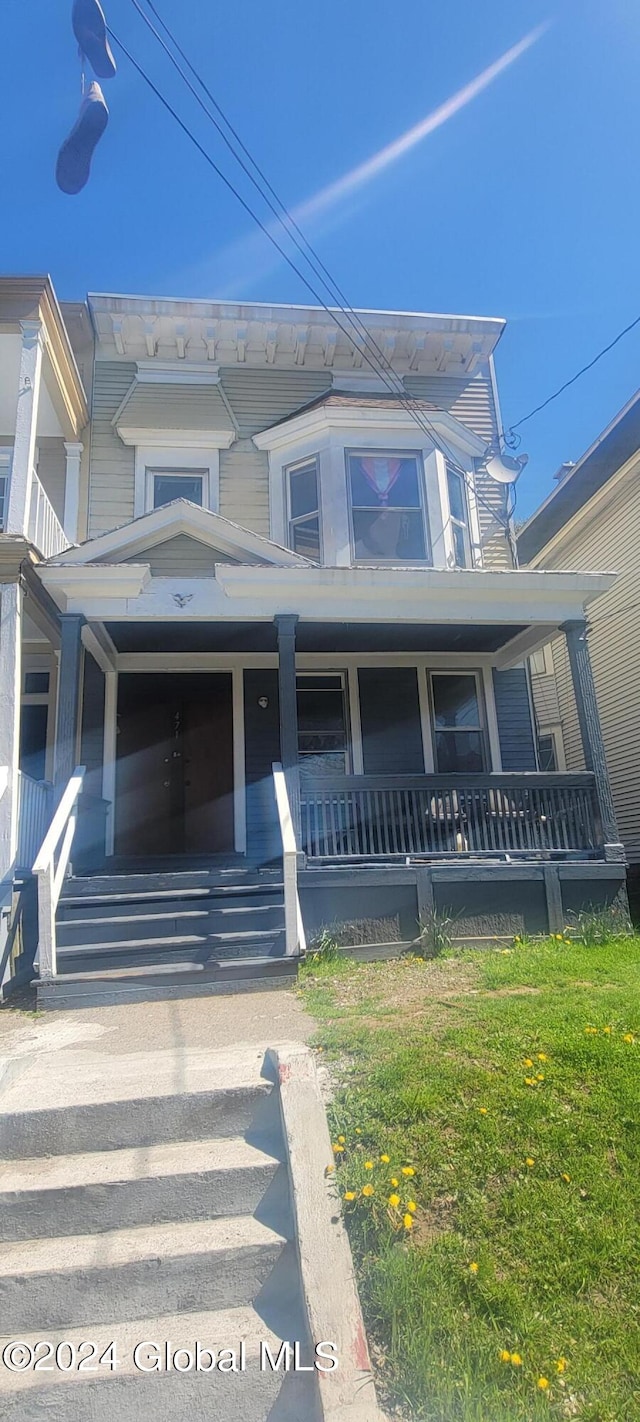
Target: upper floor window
[387, 508]
[170, 484]
[304, 509]
[459, 515]
[457, 720]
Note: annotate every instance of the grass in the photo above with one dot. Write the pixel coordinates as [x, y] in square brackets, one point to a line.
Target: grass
[508, 1083]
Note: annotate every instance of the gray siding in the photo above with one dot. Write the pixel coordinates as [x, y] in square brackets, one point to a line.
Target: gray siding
[244, 486]
[262, 748]
[260, 398]
[514, 719]
[111, 484]
[390, 721]
[166, 407]
[180, 557]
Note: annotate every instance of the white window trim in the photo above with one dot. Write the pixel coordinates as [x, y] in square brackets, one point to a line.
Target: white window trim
[364, 451]
[473, 539]
[554, 729]
[288, 470]
[547, 661]
[171, 458]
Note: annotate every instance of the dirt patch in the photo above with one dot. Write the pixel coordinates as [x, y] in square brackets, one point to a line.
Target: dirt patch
[407, 985]
[435, 1219]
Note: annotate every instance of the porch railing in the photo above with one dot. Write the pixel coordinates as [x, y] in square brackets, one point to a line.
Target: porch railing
[44, 527]
[295, 942]
[382, 817]
[35, 805]
[50, 871]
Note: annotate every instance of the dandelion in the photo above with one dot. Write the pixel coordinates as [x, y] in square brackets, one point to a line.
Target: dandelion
[473, 1268]
[394, 1201]
[349, 1195]
[628, 1037]
[527, 1062]
[385, 1159]
[561, 1364]
[341, 1140]
[395, 1182]
[530, 1160]
[566, 1177]
[529, 1081]
[606, 1030]
[408, 1221]
[483, 1110]
[337, 1148]
[411, 1206]
[543, 1384]
[559, 937]
[368, 1191]
[358, 1131]
[505, 1356]
[368, 1165]
[329, 1169]
[591, 1031]
[408, 1170]
[505, 951]
[542, 1057]
[540, 1076]
[516, 1360]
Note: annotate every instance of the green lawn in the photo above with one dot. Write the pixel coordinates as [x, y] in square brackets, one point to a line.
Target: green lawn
[507, 1082]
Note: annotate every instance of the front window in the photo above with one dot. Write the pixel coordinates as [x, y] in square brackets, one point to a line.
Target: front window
[547, 754]
[459, 515]
[304, 510]
[387, 509]
[170, 484]
[458, 731]
[322, 726]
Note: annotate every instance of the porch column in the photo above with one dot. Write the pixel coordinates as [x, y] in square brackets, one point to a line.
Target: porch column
[589, 721]
[68, 717]
[73, 453]
[286, 629]
[24, 447]
[11, 597]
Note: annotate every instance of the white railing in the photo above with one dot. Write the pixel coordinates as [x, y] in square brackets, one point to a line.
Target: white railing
[295, 942]
[50, 874]
[44, 528]
[34, 816]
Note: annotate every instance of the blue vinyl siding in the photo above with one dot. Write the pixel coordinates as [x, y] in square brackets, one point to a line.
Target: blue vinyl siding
[262, 747]
[515, 724]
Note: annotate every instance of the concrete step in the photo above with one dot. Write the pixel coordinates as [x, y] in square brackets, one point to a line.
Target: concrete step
[73, 1101]
[124, 1274]
[154, 982]
[116, 1189]
[167, 927]
[257, 1394]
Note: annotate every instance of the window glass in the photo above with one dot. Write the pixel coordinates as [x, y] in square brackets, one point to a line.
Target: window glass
[386, 508]
[459, 739]
[458, 512]
[547, 757]
[322, 732]
[33, 740]
[36, 682]
[174, 485]
[304, 511]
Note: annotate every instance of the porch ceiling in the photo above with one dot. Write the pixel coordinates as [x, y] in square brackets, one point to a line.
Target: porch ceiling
[310, 637]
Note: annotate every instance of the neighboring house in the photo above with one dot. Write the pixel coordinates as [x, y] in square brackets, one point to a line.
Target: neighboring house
[592, 520]
[253, 554]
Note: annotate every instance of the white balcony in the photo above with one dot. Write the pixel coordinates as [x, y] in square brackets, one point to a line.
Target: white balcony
[44, 529]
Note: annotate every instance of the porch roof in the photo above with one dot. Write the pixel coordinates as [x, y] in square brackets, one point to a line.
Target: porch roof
[394, 637]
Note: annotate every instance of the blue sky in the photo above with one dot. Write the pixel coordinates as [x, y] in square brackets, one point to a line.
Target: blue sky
[524, 203]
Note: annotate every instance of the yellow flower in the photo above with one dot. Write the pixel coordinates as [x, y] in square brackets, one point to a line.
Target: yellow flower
[566, 1177]
[543, 1384]
[394, 1182]
[528, 1062]
[341, 1140]
[411, 1206]
[606, 1030]
[591, 1031]
[408, 1170]
[368, 1165]
[329, 1169]
[408, 1221]
[628, 1037]
[540, 1076]
[516, 1360]
[358, 1131]
[385, 1159]
[542, 1057]
[367, 1191]
[394, 1201]
[530, 1160]
[529, 1081]
[483, 1110]
[505, 1356]
[349, 1194]
[473, 1268]
[561, 1364]
[559, 937]
[337, 1149]
[505, 951]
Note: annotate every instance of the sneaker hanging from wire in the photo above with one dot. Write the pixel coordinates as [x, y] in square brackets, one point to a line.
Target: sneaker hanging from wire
[74, 159]
[90, 30]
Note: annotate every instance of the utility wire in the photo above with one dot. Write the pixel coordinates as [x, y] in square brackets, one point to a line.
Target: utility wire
[505, 434]
[376, 361]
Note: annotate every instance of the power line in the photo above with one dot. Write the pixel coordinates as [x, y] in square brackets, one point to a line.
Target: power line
[375, 361]
[510, 431]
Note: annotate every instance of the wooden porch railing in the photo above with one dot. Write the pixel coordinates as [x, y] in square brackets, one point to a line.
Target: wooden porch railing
[50, 872]
[44, 528]
[382, 817]
[295, 942]
[35, 805]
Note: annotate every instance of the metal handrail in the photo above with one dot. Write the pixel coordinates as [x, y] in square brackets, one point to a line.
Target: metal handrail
[50, 875]
[295, 941]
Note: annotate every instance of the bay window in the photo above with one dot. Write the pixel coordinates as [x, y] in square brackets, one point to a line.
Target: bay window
[387, 508]
[459, 516]
[304, 509]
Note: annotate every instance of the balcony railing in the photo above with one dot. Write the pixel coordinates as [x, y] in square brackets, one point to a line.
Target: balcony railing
[44, 527]
[35, 808]
[506, 815]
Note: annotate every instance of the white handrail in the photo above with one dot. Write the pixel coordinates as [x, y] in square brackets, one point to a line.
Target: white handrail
[50, 875]
[293, 926]
[44, 528]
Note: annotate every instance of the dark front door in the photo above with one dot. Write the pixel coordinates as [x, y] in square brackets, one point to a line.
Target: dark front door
[174, 773]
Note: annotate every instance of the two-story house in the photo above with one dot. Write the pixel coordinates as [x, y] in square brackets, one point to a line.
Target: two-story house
[254, 554]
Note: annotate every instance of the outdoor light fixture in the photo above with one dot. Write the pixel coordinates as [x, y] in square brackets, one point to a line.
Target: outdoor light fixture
[263, 702]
